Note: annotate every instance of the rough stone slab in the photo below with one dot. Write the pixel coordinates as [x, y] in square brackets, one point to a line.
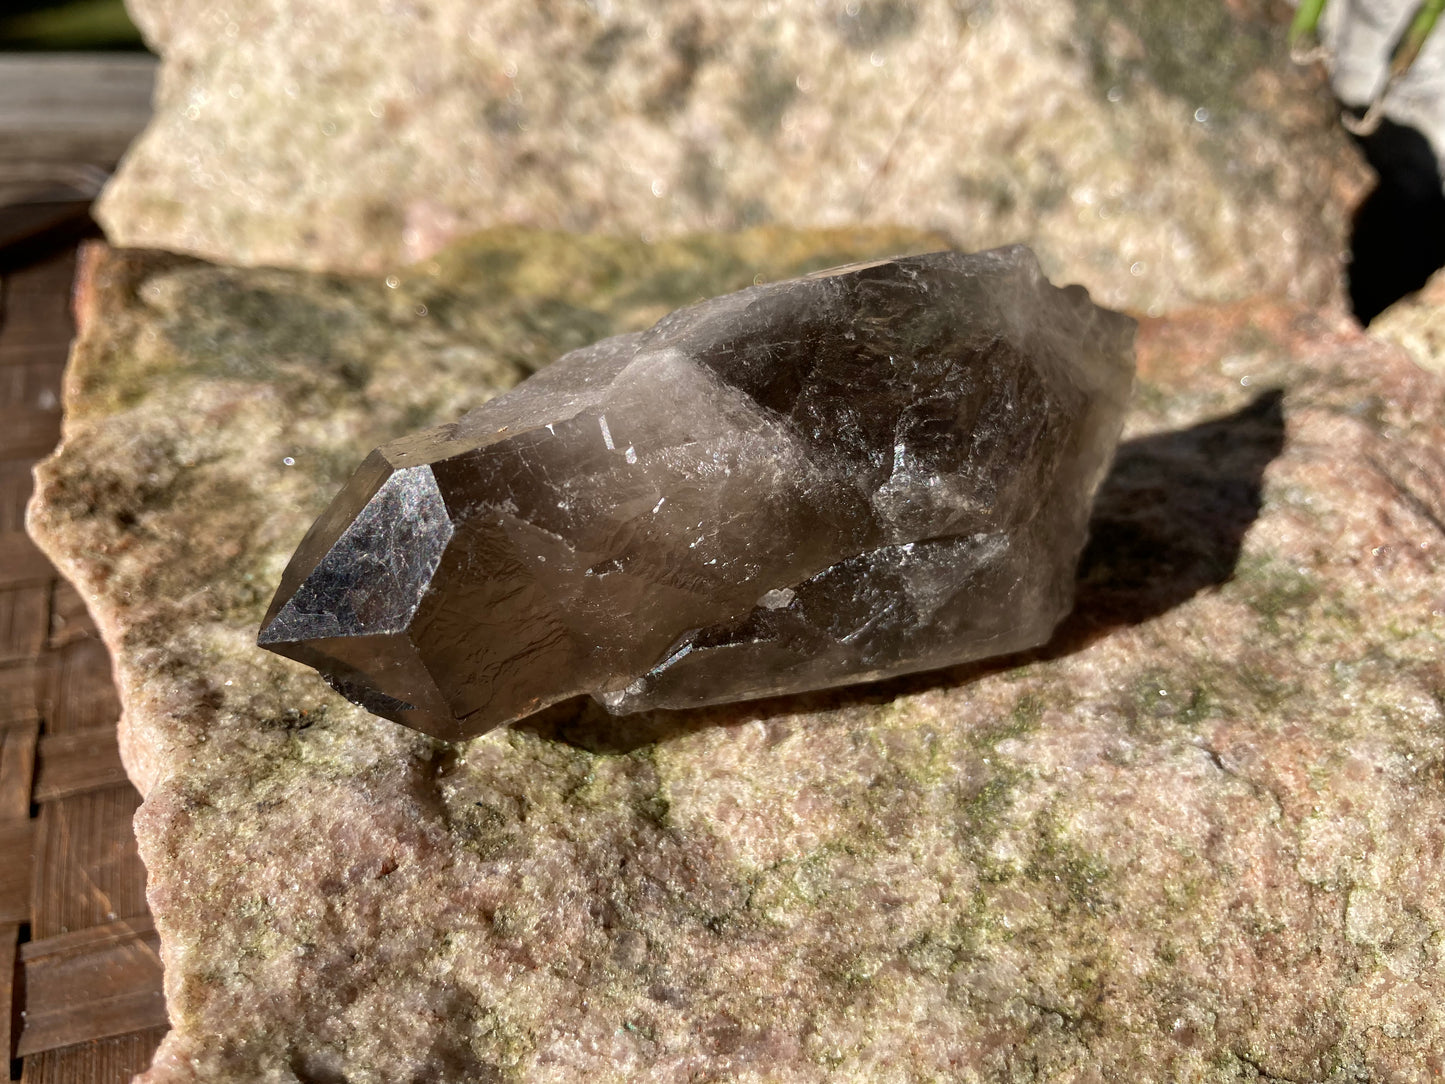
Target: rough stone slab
[1161, 153]
[1197, 837]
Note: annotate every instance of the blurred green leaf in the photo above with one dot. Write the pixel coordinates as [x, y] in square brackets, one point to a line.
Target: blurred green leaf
[76, 25]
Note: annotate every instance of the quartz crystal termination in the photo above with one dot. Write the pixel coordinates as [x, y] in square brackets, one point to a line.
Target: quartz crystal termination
[873, 470]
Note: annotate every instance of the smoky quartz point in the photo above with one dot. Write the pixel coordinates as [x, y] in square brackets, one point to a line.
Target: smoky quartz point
[877, 469]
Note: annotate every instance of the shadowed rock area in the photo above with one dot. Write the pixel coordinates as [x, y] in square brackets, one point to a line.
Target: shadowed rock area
[1197, 837]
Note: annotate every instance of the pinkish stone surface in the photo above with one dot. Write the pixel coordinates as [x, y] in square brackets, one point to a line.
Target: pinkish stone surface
[1197, 838]
[1164, 153]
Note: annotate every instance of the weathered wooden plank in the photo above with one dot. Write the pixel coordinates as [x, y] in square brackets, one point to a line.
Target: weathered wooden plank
[103, 1061]
[74, 763]
[85, 692]
[87, 871]
[100, 937]
[27, 433]
[47, 684]
[24, 617]
[74, 874]
[16, 854]
[32, 385]
[17, 482]
[17, 842]
[20, 685]
[35, 332]
[27, 229]
[50, 278]
[69, 618]
[35, 327]
[79, 107]
[21, 561]
[9, 957]
[17, 352]
[91, 984]
[18, 744]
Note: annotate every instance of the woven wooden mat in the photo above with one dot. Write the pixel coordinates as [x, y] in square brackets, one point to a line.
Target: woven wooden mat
[80, 974]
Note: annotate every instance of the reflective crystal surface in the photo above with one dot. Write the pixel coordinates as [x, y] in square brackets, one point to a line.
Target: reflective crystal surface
[872, 470]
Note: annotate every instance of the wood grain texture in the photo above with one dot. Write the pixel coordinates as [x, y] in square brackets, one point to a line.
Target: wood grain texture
[91, 984]
[32, 385]
[16, 484]
[9, 967]
[17, 847]
[79, 962]
[24, 619]
[21, 561]
[69, 619]
[104, 1061]
[30, 432]
[87, 871]
[20, 687]
[30, 333]
[69, 764]
[73, 107]
[85, 693]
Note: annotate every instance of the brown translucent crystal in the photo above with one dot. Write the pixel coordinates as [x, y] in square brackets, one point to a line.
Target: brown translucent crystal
[877, 469]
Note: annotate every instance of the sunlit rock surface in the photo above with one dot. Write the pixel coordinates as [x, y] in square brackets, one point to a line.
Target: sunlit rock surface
[1416, 323]
[873, 470]
[1164, 152]
[1197, 837]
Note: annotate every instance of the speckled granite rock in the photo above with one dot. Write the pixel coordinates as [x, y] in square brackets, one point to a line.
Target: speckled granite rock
[1198, 837]
[1067, 125]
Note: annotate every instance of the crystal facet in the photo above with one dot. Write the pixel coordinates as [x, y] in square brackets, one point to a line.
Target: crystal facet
[873, 470]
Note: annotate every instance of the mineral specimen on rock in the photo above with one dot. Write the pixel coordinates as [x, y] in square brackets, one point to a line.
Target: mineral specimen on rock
[1196, 838]
[878, 469]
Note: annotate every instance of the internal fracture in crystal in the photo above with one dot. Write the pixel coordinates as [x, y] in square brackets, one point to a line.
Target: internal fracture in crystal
[869, 471]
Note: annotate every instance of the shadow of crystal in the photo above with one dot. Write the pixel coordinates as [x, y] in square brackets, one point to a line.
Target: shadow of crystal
[1168, 522]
